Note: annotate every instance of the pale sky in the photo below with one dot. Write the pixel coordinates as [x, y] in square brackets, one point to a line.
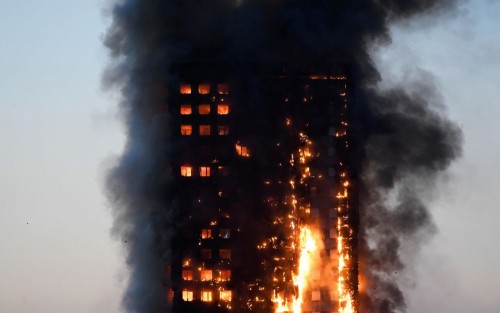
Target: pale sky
[58, 130]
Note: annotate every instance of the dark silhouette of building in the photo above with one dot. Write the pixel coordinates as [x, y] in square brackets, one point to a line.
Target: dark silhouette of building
[257, 154]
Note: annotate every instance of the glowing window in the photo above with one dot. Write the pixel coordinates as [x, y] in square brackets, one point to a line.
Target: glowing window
[204, 171]
[223, 130]
[225, 254]
[186, 109]
[223, 89]
[222, 109]
[204, 130]
[187, 295]
[206, 275]
[206, 296]
[204, 109]
[223, 170]
[186, 130]
[315, 295]
[225, 295]
[185, 89]
[225, 275]
[225, 233]
[170, 296]
[242, 150]
[186, 171]
[206, 233]
[187, 275]
[204, 89]
[206, 254]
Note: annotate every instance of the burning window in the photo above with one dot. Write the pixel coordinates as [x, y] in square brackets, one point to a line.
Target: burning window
[225, 295]
[315, 295]
[187, 295]
[225, 233]
[206, 254]
[242, 150]
[186, 109]
[225, 275]
[204, 130]
[204, 89]
[186, 171]
[206, 233]
[204, 109]
[206, 296]
[223, 130]
[204, 171]
[187, 275]
[222, 109]
[225, 254]
[223, 89]
[223, 170]
[185, 89]
[186, 130]
[206, 275]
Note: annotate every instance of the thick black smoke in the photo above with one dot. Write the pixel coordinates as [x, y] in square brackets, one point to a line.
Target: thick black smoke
[403, 139]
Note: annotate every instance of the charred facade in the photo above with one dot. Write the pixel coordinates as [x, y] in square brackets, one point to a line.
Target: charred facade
[261, 158]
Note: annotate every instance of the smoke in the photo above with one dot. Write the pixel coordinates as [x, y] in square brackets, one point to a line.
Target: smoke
[403, 140]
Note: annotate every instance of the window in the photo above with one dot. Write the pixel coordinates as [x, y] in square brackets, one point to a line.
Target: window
[186, 109]
[204, 109]
[314, 212]
[186, 130]
[223, 170]
[206, 254]
[185, 89]
[242, 150]
[225, 233]
[222, 109]
[204, 89]
[223, 89]
[206, 275]
[206, 296]
[225, 295]
[333, 212]
[204, 171]
[315, 295]
[333, 233]
[204, 130]
[223, 130]
[187, 295]
[187, 275]
[206, 233]
[225, 275]
[186, 171]
[225, 254]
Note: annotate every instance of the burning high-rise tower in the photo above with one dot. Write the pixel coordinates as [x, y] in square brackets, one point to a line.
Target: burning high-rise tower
[266, 222]
[260, 155]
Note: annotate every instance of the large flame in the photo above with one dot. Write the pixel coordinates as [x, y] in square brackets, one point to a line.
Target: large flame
[308, 249]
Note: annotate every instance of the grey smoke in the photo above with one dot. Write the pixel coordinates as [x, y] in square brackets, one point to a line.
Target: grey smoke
[404, 139]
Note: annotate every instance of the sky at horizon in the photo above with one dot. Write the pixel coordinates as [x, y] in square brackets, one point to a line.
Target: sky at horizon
[59, 131]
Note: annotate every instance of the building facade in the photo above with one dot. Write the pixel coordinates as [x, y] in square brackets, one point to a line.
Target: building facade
[258, 157]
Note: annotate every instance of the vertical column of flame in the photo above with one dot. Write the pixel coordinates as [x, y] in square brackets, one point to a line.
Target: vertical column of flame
[307, 247]
[303, 242]
[346, 262]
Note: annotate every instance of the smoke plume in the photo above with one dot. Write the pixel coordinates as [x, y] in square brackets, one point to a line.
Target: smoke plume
[403, 141]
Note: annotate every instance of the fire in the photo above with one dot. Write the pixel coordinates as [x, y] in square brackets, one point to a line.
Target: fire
[346, 301]
[308, 249]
